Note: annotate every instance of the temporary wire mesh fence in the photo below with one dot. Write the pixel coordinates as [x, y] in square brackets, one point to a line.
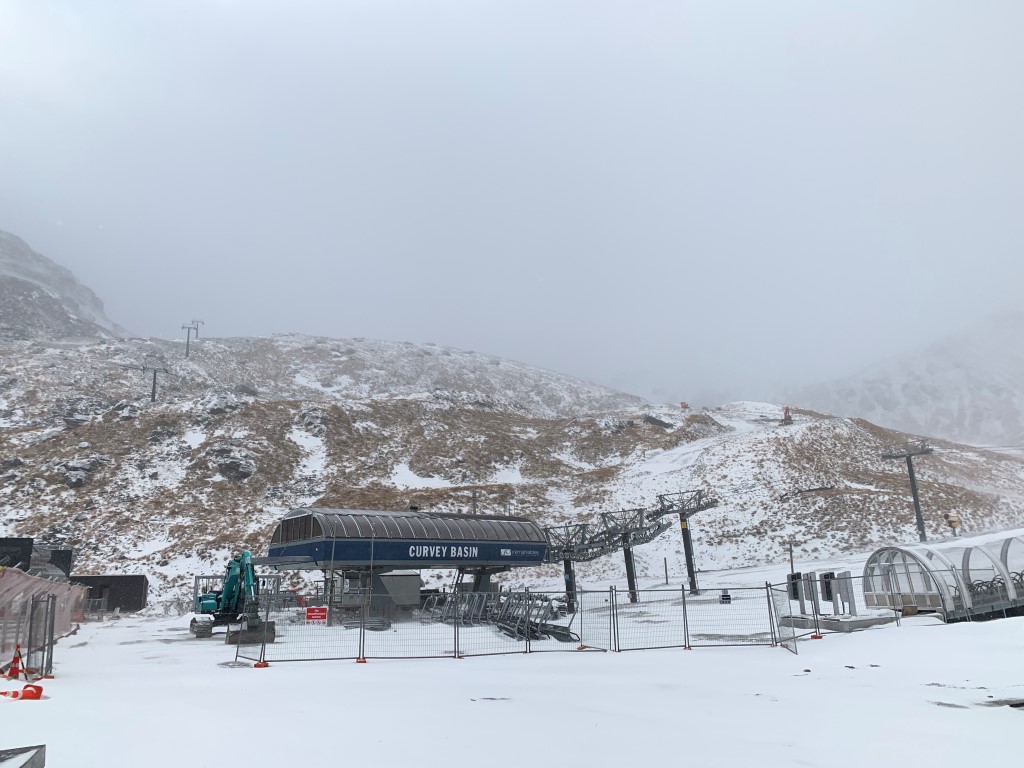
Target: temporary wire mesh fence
[34, 612]
[41, 635]
[813, 605]
[781, 611]
[459, 624]
[732, 616]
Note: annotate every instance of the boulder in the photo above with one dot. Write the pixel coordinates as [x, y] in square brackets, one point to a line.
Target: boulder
[76, 478]
[232, 459]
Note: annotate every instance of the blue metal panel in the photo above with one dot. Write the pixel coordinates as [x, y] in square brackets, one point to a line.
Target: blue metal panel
[416, 554]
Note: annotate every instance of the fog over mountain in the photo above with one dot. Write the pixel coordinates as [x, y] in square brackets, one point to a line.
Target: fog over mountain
[697, 201]
[968, 387]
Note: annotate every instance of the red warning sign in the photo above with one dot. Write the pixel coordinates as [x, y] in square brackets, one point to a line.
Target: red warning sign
[316, 615]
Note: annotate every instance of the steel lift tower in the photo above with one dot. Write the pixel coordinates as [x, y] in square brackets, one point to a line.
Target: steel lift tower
[686, 504]
[610, 531]
[908, 453]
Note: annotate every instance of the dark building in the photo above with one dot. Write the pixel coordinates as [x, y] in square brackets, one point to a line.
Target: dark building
[37, 559]
[51, 563]
[127, 593]
[16, 553]
[62, 560]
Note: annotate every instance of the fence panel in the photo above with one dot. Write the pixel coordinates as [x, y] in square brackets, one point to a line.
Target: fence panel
[595, 619]
[785, 631]
[656, 620]
[18, 592]
[552, 627]
[41, 636]
[426, 633]
[489, 623]
[730, 616]
[287, 635]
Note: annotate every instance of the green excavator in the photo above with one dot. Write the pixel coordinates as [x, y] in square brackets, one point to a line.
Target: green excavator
[235, 605]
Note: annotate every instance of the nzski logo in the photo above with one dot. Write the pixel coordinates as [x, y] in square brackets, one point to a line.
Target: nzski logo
[506, 553]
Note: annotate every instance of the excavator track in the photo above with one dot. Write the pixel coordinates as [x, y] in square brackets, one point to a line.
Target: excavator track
[266, 631]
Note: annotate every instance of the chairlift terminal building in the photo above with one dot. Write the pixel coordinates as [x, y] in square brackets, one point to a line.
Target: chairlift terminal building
[379, 541]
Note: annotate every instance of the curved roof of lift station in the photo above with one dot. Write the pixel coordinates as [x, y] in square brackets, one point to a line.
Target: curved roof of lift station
[318, 537]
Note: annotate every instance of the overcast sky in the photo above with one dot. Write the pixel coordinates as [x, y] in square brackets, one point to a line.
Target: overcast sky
[681, 199]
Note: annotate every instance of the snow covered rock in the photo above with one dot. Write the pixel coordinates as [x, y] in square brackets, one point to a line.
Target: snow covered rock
[219, 400]
[312, 419]
[76, 478]
[232, 459]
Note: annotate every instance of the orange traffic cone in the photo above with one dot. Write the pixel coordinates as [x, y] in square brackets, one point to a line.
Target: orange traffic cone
[29, 692]
[15, 669]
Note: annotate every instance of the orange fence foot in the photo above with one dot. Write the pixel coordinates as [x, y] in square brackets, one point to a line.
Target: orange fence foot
[261, 664]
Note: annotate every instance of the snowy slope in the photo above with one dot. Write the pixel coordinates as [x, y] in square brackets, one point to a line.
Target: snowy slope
[245, 430]
[819, 484]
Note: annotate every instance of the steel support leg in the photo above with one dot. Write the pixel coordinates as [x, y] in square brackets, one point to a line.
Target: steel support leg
[917, 503]
[691, 570]
[627, 552]
[570, 586]
[482, 581]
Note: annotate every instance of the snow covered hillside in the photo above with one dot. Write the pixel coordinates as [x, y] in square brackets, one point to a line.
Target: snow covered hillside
[244, 430]
[968, 388]
[42, 300]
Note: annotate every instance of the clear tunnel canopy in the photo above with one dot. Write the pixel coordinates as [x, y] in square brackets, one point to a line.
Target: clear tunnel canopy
[964, 579]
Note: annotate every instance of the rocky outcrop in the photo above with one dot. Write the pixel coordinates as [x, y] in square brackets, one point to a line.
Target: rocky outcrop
[219, 400]
[232, 460]
[78, 472]
[312, 419]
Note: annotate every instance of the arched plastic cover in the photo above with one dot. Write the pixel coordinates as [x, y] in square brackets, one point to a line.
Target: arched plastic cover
[886, 559]
[1000, 568]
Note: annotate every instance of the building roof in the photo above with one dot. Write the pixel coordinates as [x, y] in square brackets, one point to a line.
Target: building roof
[409, 525]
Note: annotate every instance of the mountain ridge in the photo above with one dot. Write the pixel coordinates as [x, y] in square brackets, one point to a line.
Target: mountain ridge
[39, 299]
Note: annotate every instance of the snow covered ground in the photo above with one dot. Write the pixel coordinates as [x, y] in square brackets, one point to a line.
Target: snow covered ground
[142, 691]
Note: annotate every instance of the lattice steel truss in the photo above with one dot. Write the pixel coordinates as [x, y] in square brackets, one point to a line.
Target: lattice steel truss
[625, 529]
